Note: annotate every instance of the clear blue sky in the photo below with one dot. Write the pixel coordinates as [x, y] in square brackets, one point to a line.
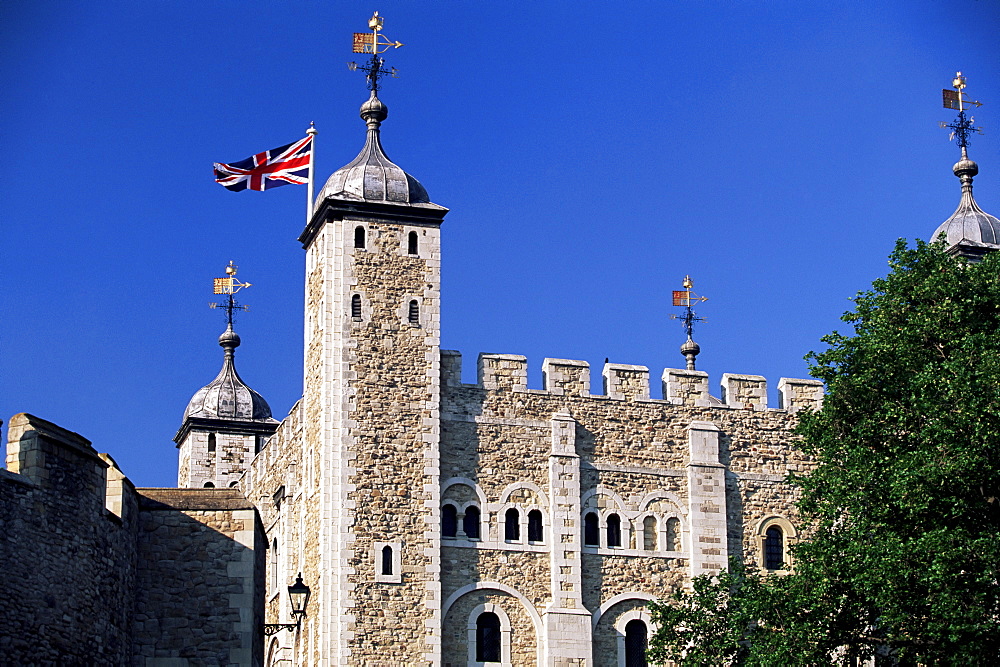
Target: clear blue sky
[591, 154]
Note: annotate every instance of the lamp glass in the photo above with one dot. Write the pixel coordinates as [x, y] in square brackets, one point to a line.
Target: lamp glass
[298, 596]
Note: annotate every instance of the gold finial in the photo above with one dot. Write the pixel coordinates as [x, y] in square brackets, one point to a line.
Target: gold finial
[958, 83]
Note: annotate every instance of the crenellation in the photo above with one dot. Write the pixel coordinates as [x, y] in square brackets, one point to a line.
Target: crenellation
[626, 382]
[744, 391]
[566, 377]
[503, 371]
[795, 395]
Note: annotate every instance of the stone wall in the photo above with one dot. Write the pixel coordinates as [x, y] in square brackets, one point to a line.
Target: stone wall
[200, 583]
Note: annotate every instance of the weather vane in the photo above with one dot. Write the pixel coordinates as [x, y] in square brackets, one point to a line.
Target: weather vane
[229, 286]
[962, 126]
[374, 43]
[686, 298]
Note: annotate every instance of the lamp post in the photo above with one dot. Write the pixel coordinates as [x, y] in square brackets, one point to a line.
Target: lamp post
[298, 596]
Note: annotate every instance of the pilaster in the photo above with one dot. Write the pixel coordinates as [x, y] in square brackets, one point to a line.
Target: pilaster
[567, 621]
[707, 500]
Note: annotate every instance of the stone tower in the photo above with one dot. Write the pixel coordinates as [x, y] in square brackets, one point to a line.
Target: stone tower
[370, 408]
[225, 424]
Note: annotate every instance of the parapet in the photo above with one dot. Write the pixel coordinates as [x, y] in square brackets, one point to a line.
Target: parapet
[627, 382]
[35, 446]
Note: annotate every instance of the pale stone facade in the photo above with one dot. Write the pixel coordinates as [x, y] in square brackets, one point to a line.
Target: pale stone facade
[435, 522]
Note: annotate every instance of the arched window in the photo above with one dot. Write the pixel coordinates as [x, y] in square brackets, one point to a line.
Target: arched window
[635, 644]
[414, 314]
[470, 523]
[356, 307]
[591, 532]
[211, 442]
[387, 559]
[512, 525]
[649, 533]
[359, 237]
[614, 531]
[673, 534]
[449, 521]
[209, 485]
[535, 526]
[774, 548]
[488, 637]
[411, 243]
[234, 483]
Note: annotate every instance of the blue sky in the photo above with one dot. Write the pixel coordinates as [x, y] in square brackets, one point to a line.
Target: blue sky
[591, 154]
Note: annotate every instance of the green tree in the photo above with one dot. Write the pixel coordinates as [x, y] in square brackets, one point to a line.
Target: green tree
[903, 506]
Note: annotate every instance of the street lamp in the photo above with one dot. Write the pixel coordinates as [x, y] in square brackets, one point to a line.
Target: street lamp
[298, 596]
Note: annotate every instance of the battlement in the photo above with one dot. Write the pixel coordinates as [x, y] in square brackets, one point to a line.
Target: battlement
[626, 382]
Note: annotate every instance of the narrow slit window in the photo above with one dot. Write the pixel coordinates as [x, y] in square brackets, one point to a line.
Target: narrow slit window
[387, 559]
[359, 237]
[414, 314]
[774, 548]
[649, 533]
[512, 525]
[356, 307]
[591, 532]
[488, 637]
[535, 526]
[673, 534]
[614, 531]
[449, 521]
[470, 522]
[411, 243]
[211, 442]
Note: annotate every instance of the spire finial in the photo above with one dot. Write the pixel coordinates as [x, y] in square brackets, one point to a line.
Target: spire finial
[686, 298]
[229, 286]
[374, 43]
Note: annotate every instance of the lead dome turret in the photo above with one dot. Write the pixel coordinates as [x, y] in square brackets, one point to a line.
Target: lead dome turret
[228, 396]
[970, 232]
[372, 176]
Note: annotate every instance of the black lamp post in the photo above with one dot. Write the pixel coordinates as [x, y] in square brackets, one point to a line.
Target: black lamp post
[298, 595]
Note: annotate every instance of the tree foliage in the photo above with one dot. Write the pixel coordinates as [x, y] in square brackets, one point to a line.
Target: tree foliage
[903, 506]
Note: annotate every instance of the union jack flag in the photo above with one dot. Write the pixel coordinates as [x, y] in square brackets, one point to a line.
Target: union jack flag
[270, 169]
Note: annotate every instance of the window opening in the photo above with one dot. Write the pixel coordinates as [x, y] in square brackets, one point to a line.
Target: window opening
[211, 442]
[359, 237]
[649, 533]
[387, 559]
[470, 522]
[774, 548]
[356, 307]
[512, 525]
[673, 534]
[274, 564]
[614, 531]
[635, 644]
[209, 485]
[534, 526]
[234, 483]
[488, 637]
[414, 312]
[591, 534]
[411, 243]
[449, 521]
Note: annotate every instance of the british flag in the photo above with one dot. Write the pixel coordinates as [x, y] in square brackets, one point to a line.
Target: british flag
[270, 169]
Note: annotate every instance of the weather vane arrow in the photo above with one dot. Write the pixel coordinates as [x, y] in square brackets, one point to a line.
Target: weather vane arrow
[962, 126]
[374, 43]
[229, 286]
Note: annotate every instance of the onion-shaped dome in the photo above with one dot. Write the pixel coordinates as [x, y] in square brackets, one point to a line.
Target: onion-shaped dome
[969, 231]
[372, 176]
[228, 396]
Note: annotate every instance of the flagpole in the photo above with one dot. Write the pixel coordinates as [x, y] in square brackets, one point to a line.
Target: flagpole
[312, 172]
